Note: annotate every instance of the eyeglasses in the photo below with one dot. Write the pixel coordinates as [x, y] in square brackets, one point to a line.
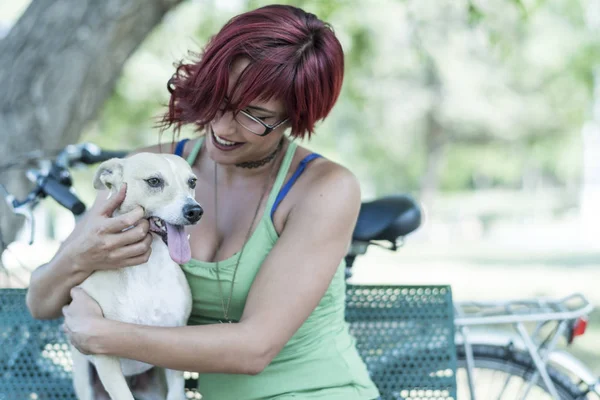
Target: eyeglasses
[252, 123]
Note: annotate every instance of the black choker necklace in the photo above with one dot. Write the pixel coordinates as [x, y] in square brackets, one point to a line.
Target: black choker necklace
[260, 163]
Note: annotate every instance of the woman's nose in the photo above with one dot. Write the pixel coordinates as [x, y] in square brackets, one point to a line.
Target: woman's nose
[225, 122]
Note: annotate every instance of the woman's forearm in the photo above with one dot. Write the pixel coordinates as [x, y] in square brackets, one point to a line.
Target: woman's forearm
[219, 348]
[51, 284]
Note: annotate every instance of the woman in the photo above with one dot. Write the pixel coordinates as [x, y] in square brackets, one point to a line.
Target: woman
[267, 275]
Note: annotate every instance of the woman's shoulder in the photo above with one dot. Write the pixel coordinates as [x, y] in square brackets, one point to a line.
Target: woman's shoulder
[327, 176]
[325, 189]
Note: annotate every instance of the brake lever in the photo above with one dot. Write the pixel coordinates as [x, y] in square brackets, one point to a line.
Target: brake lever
[24, 208]
[73, 154]
[28, 214]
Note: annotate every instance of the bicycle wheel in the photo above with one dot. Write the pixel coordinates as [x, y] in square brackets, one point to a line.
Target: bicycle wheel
[502, 372]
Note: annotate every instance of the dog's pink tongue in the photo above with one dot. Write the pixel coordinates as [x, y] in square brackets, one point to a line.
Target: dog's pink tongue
[179, 246]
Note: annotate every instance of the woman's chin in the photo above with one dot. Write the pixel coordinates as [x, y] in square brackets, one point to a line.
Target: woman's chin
[220, 157]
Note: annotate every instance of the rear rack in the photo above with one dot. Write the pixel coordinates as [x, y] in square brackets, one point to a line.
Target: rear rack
[559, 313]
[472, 313]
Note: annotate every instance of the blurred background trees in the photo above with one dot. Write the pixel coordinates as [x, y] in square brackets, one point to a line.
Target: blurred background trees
[58, 64]
[440, 96]
[486, 111]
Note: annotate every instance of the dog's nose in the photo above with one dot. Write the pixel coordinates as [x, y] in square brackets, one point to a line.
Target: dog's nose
[192, 212]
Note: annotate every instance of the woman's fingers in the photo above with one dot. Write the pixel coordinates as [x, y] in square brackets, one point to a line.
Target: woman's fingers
[114, 203]
[134, 235]
[118, 241]
[124, 221]
[76, 292]
[136, 249]
[141, 259]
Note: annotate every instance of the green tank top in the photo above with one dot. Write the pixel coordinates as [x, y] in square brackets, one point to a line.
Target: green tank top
[319, 362]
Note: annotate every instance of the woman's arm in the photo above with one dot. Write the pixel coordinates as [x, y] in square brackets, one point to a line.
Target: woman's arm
[220, 348]
[288, 287]
[50, 285]
[97, 242]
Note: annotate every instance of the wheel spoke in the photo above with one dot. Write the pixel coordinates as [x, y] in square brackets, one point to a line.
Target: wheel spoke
[504, 386]
[501, 377]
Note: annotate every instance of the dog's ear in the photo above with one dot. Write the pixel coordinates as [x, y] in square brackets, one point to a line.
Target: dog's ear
[109, 175]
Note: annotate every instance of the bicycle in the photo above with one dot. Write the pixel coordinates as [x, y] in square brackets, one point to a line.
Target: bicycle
[528, 357]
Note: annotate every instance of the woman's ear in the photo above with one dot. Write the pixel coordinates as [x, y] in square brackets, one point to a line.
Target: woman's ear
[109, 175]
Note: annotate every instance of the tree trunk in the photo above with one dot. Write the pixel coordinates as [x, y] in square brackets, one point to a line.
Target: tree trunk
[58, 65]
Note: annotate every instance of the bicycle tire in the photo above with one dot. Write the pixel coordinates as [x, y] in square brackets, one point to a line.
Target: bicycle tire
[512, 363]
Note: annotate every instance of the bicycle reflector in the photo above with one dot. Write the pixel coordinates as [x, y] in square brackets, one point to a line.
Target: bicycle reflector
[577, 328]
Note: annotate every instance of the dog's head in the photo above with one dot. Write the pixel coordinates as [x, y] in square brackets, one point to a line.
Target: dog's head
[163, 185]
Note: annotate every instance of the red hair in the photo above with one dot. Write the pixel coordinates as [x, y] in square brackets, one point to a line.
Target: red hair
[294, 57]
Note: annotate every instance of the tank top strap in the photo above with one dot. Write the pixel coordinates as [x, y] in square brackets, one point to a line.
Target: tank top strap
[283, 170]
[191, 159]
[179, 148]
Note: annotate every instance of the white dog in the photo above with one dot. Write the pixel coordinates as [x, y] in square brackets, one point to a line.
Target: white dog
[155, 293]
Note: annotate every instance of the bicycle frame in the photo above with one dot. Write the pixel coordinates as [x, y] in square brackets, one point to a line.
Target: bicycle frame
[517, 313]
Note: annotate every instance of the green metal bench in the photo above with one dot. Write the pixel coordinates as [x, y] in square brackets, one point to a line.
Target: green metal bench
[405, 334]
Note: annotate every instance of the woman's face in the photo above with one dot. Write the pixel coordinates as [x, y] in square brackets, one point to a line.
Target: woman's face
[228, 142]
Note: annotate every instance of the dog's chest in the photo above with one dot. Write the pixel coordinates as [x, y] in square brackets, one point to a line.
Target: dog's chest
[162, 302]
[155, 293]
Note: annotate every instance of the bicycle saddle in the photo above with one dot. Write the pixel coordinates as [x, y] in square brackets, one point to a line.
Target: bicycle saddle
[387, 218]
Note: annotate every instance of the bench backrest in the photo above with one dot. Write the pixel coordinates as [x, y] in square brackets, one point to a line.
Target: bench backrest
[35, 359]
[404, 334]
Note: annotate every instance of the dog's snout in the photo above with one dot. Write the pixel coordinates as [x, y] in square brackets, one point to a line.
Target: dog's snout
[192, 212]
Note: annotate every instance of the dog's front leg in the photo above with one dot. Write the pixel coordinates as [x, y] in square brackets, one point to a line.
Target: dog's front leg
[81, 375]
[112, 378]
[175, 384]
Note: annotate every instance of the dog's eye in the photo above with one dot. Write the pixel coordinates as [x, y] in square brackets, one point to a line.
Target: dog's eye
[154, 182]
[192, 183]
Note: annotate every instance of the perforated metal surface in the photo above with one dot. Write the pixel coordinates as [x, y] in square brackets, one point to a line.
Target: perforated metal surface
[404, 334]
[35, 362]
[406, 337]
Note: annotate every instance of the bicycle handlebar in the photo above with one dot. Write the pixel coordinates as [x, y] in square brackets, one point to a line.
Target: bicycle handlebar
[55, 181]
[85, 153]
[92, 154]
[62, 194]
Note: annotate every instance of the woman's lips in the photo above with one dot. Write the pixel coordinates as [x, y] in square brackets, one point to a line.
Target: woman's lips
[223, 147]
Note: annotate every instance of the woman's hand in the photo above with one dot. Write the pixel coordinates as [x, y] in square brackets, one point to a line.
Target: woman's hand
[84, 321]
[104, 242]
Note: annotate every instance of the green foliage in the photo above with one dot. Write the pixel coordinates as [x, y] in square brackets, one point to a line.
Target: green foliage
[508, 84]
